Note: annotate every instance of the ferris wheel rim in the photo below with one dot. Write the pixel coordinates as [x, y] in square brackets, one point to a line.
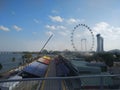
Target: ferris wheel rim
[72, 36]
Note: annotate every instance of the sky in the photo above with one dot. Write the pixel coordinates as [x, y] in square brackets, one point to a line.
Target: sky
[25, 25]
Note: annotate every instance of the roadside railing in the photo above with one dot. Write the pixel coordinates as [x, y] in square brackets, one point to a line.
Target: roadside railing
[90, 82]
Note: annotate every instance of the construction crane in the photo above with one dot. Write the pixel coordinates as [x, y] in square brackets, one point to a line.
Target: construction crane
[46, 43]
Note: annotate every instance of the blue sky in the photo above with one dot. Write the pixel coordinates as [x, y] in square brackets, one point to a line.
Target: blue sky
[25, 25]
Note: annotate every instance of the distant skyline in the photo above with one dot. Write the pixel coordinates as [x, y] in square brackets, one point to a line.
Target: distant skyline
[25, 25]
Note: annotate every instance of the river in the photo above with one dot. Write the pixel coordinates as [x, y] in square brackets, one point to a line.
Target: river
[8, 63]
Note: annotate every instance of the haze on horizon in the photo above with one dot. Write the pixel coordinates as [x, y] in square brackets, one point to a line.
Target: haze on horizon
[25, 25]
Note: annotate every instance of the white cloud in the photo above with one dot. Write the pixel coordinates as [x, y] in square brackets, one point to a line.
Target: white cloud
[36, 21]
[60, 27]
[108, 31]
[57, 27]
[110, 34]
[63, 33]
[56, 18]
[3, 28]
[17, 28]
[51, 27]
[49, 33]
[74, 21]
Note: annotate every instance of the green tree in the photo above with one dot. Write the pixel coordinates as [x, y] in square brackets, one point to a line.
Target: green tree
[108, 58]
[26, 58]
[44, 51]
[117, 57]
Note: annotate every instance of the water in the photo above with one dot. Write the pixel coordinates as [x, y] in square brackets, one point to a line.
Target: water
[7, 63]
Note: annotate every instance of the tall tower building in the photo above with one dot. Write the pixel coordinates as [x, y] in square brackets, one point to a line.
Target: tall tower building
[100, 43]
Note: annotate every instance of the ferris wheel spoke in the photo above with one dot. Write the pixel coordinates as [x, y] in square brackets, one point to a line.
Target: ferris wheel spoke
[73, 36]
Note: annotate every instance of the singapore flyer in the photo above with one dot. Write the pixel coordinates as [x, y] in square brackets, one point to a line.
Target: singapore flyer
[82, 38]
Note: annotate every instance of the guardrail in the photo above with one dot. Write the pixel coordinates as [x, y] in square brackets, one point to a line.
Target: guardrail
[63, 83]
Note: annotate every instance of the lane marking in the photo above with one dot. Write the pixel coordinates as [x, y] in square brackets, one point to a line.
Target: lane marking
[43, 82]
[63, 85]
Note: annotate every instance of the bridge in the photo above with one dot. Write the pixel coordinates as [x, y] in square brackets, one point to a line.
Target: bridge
[60, 75]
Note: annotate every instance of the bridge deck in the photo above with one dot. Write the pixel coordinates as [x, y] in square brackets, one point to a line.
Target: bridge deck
[51, 84]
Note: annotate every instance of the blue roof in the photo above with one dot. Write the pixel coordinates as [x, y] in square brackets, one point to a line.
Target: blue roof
[36, 68]
[62, 69]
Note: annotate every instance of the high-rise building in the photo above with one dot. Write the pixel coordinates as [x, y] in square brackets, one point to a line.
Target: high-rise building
[100, 43]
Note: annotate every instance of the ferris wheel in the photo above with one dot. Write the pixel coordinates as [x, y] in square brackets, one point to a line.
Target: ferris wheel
[82, 38]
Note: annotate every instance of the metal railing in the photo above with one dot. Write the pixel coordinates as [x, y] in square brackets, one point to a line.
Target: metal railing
[63, 83]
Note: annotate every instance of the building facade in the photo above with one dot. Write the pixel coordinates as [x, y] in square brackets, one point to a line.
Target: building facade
[100, 43]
